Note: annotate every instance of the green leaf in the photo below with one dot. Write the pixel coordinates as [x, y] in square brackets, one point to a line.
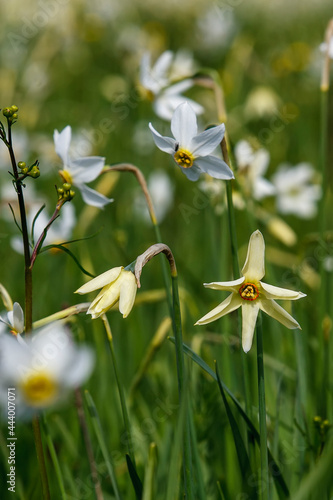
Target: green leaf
[66, 250]
[280, 483]
[34, 222]
[242, 455]
[96, 423]
[136, 481]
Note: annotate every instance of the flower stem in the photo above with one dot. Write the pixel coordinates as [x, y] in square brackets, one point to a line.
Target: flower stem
[262, 413]
[41, 458]
[55, 460]
[28, 307]
[181, 375]
[129, 439]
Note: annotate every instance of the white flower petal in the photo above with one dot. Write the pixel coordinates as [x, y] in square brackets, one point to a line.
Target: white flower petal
[215, 167]
[231, 286]
[80, 368]
[62, 142]
[128, 290]
[204, 143]
[108, 297]
[166, 144]
[184, 125]
[179, 87]
[18, 318]
[100, 281]
[192, 173]
[249, 317]
[92, 197]
[262, 188]
[232, 302]
[254, 267]
[86, 169]
[275, 292]
[277, 312]
[162, 64]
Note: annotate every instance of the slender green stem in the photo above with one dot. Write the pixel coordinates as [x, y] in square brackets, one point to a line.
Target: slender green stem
[28, 307]
[101, 441]
[129, 440]
[262, 413]
[41, 458]
[55, 460]
[182, 386]
[88, 445]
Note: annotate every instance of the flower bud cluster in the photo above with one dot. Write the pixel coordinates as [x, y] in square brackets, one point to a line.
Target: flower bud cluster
[32, 171]
[65, 193]
[11, 113]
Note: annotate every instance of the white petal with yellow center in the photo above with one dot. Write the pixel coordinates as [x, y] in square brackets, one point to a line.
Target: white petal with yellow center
[254, 267]
[100, 281]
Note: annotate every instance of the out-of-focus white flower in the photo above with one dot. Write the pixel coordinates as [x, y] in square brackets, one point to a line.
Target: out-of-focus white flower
[254, 164]
[161, 191]
[323, 48]
[42, 368]
[15, 319]
[262, 102]
[216, 27]
[117, 284]
[190, 150]
[59, 232]
[158, 80]
[79, 171]
[251, 294]
[295, 192]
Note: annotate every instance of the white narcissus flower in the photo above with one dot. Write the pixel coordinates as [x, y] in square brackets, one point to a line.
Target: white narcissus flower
[295, 192]
[15, 319]
[117, 284]
[251, 294]
[190, 150]
[254, 164]
[42, 367]
[157, 81]
[79, 171]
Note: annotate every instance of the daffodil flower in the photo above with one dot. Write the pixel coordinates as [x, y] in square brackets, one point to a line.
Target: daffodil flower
[42, 367]
[157, 81]
[251, 294]
[117, 284]
[190, 150]
[15, 319]
[79, 171]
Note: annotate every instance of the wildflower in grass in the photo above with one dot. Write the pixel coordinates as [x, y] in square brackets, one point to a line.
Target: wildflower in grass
[15, 319]
[42, 367]
[295, 192]
[251, 294]
[157, 82]
[79, 171]
[190, 150]
[117, 284]
[253, 166]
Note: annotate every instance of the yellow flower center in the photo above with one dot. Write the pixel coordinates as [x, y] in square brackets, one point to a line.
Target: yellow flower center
[248, 291]
[66, 176]
[39, 389]
[184, 158]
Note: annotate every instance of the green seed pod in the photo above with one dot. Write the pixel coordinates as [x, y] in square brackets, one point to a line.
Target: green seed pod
[60, 191]
[15, 116]
[21, 164]
[14, 108]
[34, 172]
[66, 186]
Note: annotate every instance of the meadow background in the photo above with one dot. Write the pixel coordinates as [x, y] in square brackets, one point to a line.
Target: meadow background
[77, 63]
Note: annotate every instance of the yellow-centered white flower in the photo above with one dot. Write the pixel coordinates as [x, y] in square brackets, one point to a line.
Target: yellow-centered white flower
[42, 367]
[252, 294]
[78, 172]
[190, 149]
[117, 284]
